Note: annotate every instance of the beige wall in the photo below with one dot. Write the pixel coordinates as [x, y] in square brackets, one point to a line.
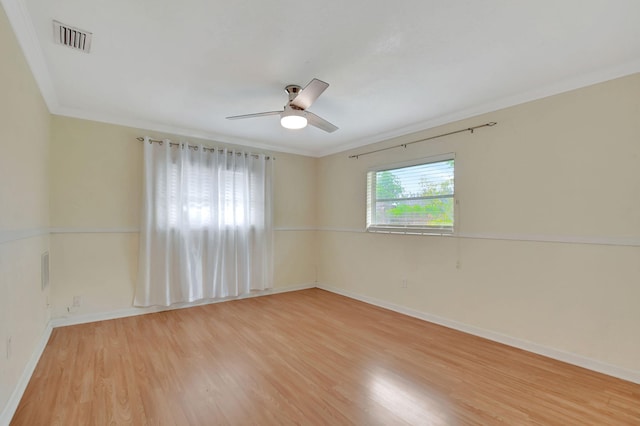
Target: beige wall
[24, 212]
[96, 184]
[561, 168]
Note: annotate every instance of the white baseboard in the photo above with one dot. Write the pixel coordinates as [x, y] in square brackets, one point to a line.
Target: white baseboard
[12, 404]
[569, 358]
[10, 409]
[611, 370]
[133, 311]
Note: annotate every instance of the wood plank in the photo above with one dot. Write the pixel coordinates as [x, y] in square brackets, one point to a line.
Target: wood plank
[307, 357]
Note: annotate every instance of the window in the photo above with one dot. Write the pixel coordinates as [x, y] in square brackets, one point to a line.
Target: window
[203, 196]
[206, 228]
[412, 198]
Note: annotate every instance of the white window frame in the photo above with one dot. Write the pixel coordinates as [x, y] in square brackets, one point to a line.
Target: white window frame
[406, 229]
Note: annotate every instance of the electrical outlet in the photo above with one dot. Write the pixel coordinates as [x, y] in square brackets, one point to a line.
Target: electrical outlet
[404, 283]
[9, 347]
[77, 301]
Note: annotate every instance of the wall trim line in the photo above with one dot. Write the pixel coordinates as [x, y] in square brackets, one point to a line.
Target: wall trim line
[631, 241]
[12, 404]
[565, 239]
[8, 236]
[132, 230]
[556, 354]
[91, 230]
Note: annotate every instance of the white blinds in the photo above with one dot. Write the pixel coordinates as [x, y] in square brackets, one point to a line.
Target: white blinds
[415, 198]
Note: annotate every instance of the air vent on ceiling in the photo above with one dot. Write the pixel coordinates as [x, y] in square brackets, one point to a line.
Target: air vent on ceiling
[72, 37]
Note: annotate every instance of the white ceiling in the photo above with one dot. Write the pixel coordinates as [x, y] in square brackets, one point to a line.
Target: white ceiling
[393, 66]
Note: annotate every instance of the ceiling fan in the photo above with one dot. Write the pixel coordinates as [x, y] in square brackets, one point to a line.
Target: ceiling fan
[295, 114]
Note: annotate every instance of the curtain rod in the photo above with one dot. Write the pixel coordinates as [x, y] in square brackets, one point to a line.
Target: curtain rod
[404, 145]
[204, 148]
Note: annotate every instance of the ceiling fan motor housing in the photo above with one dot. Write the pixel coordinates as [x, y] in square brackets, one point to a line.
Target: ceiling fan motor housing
[292, 90]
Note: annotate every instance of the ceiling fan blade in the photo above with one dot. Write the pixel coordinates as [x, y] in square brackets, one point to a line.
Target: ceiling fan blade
[320, 122]
[259, 114]
[309, 94]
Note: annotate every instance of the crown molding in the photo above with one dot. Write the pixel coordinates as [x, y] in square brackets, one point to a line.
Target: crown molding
[20, 20]
[150, 126]
[22, 25]
[566, 85]
[25, 32]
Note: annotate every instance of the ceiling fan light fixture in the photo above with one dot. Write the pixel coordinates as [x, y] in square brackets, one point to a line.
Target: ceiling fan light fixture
[295, 114]
[293, 119]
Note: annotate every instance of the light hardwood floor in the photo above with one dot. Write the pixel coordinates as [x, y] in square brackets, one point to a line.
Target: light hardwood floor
[306, 357]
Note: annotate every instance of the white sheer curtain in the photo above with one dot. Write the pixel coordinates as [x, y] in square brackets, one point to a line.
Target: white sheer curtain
[206, 224]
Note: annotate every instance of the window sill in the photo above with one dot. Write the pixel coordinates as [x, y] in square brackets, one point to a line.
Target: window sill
[411, 231]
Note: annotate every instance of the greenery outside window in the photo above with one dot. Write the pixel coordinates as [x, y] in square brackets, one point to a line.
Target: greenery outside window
[413, 198]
